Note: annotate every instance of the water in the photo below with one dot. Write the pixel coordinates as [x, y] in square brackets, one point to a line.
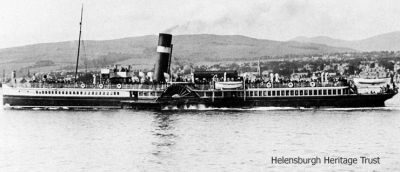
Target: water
[207, 140]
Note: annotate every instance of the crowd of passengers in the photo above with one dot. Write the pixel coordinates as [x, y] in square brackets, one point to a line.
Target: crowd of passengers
[255, 82]
[262, 82]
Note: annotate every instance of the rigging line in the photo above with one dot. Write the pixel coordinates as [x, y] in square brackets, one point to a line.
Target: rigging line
[84, 49]
[85, 60]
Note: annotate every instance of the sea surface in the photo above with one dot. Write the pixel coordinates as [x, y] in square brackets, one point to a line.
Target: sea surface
[197, 140]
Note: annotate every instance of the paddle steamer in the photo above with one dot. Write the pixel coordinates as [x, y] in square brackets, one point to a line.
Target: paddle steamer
[209, 88]
[117, 89]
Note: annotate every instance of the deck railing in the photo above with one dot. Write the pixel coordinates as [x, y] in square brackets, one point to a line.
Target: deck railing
[295, 84]
[197, 86]
[92, 86]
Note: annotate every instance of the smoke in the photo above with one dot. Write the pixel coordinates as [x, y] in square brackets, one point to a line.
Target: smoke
[251, 19]
[190, 27]
[282, 20]
[171, 29]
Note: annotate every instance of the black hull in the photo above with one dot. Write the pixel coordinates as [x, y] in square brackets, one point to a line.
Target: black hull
[35, 101]
[306, 101]
[377, 100]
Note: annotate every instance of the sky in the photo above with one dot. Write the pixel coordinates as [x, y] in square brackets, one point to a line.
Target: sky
[25, 22]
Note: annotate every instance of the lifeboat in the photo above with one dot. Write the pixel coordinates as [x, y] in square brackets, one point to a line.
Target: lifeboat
[377, 81]
[368, 85]
[228, 85]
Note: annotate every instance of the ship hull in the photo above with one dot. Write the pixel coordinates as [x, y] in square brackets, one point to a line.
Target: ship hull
[377, 100]
[36, 101]
[181, 95]
[72, 98]
[312, 101]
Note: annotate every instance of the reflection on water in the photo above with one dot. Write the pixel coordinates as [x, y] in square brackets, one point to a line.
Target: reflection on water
[211, 140]
[164, 133]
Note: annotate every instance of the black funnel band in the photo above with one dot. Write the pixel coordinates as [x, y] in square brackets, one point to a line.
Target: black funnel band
[162, 62]
[164, 40]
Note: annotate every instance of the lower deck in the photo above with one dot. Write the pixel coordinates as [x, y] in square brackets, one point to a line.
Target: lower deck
[377, 100]
[180, 95]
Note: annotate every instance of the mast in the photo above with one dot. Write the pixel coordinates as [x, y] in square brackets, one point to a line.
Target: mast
[79, 44]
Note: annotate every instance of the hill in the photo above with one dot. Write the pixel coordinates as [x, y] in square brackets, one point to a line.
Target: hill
[140, 51]
[383, 42]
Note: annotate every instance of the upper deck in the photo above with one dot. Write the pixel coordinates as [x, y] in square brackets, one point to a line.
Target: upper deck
[195, 86]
